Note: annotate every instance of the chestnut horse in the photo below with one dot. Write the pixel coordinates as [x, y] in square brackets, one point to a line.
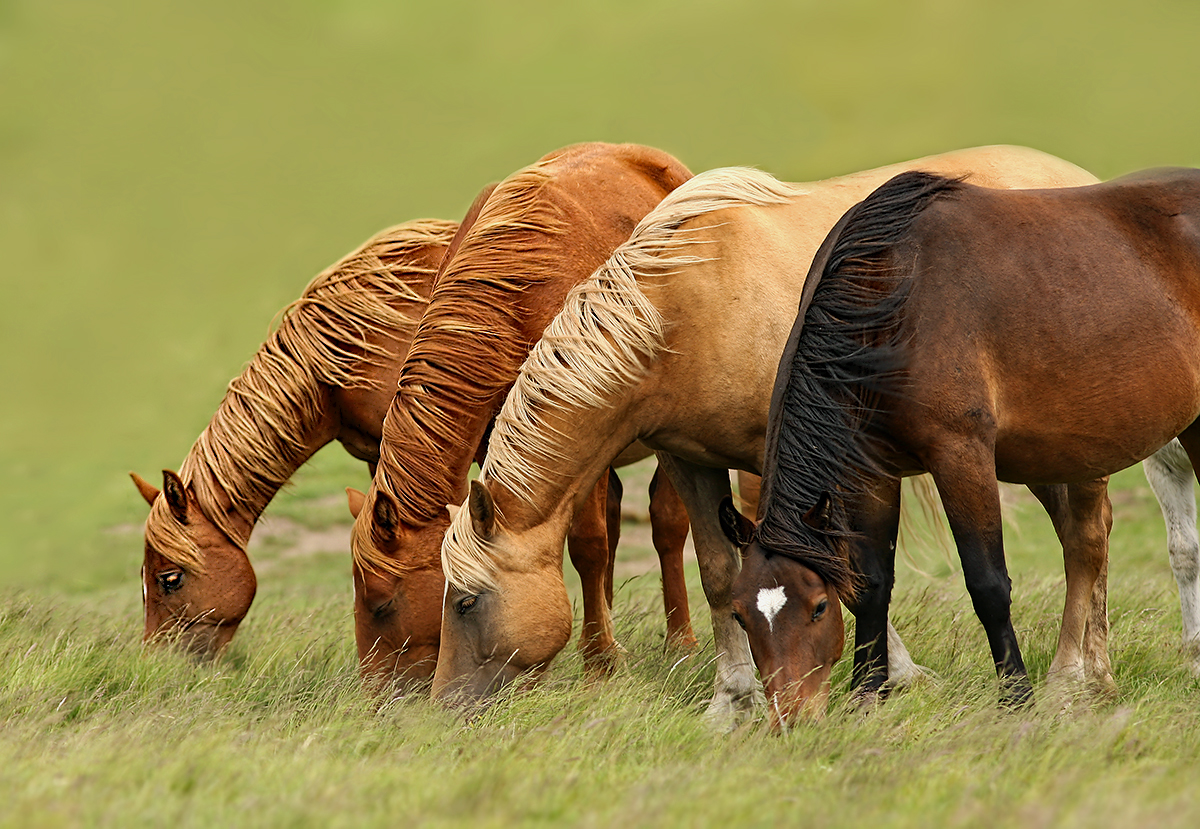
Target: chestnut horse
[328, 372]
[1038, 337]
[674, 342]
[543, 230]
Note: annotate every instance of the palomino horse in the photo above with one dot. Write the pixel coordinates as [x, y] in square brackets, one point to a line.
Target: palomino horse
[543, 230]
[674, 342]
[1034, 337]
[328, 372]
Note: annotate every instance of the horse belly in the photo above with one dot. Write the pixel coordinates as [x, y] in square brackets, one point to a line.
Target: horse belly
[1082, 431]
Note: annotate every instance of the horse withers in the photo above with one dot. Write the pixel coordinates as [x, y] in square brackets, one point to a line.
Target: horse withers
[1042, 337]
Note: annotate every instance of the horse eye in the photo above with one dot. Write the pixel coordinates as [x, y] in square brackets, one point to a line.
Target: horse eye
[821, 608]
[384, 608]
[170, 581]
[737, 617]
[466, 603]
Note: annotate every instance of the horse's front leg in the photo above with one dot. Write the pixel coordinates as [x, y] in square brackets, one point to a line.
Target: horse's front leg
[702, 489]
[588, 547]
[964, 472]
[874, 521]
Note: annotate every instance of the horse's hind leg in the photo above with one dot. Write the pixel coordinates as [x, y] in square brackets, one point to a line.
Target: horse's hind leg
[669, 529]
[1082, 516]
[964, 472]
[1170, 474]
[587, 544]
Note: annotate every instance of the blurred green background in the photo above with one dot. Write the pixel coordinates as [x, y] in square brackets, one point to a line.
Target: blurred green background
[172, 174]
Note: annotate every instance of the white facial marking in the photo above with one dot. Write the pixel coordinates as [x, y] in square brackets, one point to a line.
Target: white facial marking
[770, 601]
[145, 591]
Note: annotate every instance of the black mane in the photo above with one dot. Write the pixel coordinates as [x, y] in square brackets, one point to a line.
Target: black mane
[845, 352]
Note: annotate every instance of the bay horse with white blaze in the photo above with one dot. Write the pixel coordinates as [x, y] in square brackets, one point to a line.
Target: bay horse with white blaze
[1038, 337]
[544, 229]
[675, 342]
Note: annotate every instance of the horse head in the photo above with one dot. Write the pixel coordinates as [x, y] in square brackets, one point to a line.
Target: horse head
[197, 583]
[506, 613]
[792, 617]
[397, 607]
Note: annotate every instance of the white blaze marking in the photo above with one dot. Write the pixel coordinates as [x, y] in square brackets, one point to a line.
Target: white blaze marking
[770, 602]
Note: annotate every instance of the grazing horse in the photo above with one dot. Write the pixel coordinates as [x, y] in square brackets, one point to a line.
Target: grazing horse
[675, 342]
[1038, 337]
[328, 372]
[543, 230]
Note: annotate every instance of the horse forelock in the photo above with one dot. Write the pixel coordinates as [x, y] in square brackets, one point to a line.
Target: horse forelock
[608, 330]
[168, 537]
[468, 561]
[255, 440]
[847, 353]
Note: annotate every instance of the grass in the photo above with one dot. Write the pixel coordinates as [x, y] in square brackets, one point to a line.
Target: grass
[278, 733]
[172, 175]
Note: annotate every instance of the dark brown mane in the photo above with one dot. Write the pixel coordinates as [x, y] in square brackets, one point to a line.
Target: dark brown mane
[844, 351]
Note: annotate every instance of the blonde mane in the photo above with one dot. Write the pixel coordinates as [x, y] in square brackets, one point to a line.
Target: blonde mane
[599, 344]
[467, 349]
[255, 440]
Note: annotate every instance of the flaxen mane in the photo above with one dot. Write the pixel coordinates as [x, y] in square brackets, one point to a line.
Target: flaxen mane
[466, 351]
[597, 345]
[847, 353]
[254, 442]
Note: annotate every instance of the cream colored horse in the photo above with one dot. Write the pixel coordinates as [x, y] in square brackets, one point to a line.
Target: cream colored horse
[675, 341]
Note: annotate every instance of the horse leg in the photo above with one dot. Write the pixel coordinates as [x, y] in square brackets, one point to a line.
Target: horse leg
[587, 544]
[701, 489]
[1082, 517]
[749, 492]
[1170, 474]
[965, 478]
[875, 523]
[612, 522]
[669, 529]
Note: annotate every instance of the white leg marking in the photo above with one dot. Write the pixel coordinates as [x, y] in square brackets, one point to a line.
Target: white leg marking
[770, 601]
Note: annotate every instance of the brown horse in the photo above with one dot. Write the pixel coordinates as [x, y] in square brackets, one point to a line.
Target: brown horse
[674, 342]
[325, 373]
[543, 230]
[1038, 337]
[328, 372]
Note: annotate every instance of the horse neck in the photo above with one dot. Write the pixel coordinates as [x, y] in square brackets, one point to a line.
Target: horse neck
[445, 402]
[539, 487]
[256, 441]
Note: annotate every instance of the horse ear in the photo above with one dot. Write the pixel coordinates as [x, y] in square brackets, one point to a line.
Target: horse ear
[820, 517]
[176, 494]
[483, 510]
[386, 514]
[147, 489]
[737, 528]
[355, 499]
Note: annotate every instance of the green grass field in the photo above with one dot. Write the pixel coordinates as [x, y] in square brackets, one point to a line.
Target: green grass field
[171, 176]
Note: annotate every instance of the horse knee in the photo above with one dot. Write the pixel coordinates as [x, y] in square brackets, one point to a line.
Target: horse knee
[991, 598]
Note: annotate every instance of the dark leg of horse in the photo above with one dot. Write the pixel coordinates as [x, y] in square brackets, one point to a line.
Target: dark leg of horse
[965, 477]
[669, 529]
[612, 518]
[876, 520]
[587, 544]
[1082, 516]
